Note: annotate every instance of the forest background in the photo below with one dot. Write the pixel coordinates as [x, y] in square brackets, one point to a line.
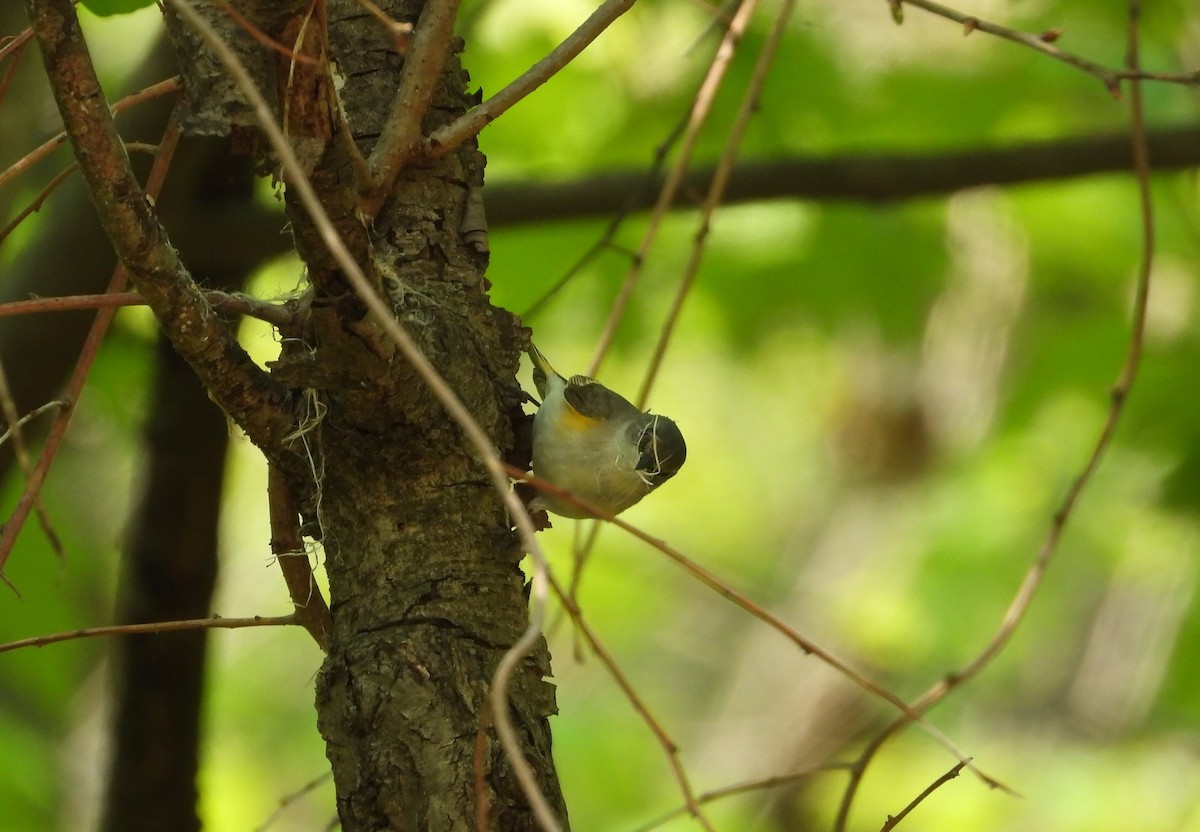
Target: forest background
[892, 367]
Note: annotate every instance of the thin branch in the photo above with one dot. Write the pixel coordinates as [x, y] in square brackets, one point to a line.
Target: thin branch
[259, 404]
[50, 145]
[865, 177]
[261, 37]
[312, 612]
[36, 203]
[669, 747]
[214, 623]
[287, 800]
[701, 106]
[382, 313]
[401, 135]
[632, 194]
[10, 71]
[716, 192]
[1023, 598]
[401, 32]
[31, 415]
[1111, 78]
[730, 594]
[745, 788]
[445, 139]
[14, 44]
[894, 820]
[278, 314]
[21, 452]
[83, 365]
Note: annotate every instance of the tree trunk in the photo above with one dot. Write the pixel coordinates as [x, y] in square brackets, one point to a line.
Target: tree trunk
[426, 590]
[170, 567]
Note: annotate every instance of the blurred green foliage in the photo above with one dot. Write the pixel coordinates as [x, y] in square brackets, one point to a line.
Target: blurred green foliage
[884, 407]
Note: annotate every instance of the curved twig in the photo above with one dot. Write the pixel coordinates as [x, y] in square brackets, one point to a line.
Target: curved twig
[701, 106]
[669, 747]
[730, 594]
[716, 192]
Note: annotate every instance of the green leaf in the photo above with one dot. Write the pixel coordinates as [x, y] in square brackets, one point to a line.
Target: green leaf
[108, 8]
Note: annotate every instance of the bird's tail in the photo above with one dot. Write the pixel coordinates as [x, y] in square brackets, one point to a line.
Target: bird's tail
[541, 369]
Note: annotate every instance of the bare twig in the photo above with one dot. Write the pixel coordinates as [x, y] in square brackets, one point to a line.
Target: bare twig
[744, 788]
[83, 365]
[400, 32]
[427, 51]
[716, 192]
[21, 452]
[262, 37]
[701, 106]
[632, 195]
[445, 139]
[727, 592]
[669, 747]
[382, 313]
[287, 800]
[31, 415]
[47, 147]
[15, 44]
[36, 203]
[312, 613]
[279, 314]
[1126, 377]
[11, 70]
[894, 820]
[214, 623]
[1111, 78]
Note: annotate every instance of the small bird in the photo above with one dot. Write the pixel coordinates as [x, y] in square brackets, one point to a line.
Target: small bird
[595, 444]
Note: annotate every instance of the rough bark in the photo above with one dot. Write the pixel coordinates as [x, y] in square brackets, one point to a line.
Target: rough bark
[426, 591]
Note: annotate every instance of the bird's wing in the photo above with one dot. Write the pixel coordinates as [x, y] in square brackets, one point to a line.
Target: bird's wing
[591, 399]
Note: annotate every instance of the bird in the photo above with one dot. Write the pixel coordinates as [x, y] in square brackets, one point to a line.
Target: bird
[595, 444]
